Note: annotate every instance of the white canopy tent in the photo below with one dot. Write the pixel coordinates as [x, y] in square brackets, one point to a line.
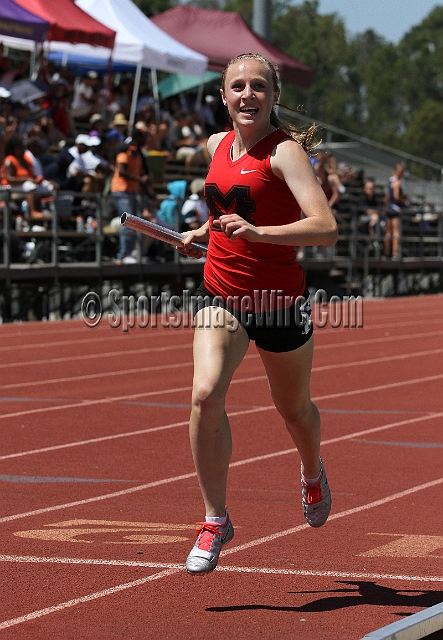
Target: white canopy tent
[138, 41]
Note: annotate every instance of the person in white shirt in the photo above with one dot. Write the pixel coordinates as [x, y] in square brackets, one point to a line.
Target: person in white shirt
[84, 97]
[195, 211]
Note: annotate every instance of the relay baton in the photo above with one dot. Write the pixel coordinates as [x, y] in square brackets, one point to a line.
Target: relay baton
[158, 231]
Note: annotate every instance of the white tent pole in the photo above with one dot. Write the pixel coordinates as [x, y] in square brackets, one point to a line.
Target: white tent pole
[138, 74]
[155, 94]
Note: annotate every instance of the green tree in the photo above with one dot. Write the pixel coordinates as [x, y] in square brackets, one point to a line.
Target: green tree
[424, 135]
[153, 7]
[318, 41]
[364, 84]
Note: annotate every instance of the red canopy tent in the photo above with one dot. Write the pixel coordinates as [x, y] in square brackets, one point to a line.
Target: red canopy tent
[69, 23]
[222, 35]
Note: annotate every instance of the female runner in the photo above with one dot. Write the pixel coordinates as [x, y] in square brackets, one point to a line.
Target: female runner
[259, 181]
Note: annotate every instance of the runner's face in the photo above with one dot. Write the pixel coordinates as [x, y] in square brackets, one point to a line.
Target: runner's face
[249, 92]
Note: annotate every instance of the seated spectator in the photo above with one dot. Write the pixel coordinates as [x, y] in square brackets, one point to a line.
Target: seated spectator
[170, 208]
[56, 108]
[85, 98]
[114, 105]
[369, 205]
[22, 113]
[17, 172]
[195, 211]
[97, 124]
[98, 168]
[8, 127]
[328, 184]
[78, 169]
[7, 74]
[120, 125]
[184, 141]
[207, 114]
[36, 154]
[68, 168]
[145, 100]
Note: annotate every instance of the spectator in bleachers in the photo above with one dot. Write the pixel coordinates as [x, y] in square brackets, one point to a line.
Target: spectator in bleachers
[395, 200]
[120, 125]
[85, 98]
[7, 74]
[328, 179]
[185, 142]
[68, 169]
[369, 206]
[146, 114]
[98, 124]
[131, 179]
[195, 211]
[97, 167]
[39, 158]
[207, 114]
[17, 171]
[145, 99]
[56, 107]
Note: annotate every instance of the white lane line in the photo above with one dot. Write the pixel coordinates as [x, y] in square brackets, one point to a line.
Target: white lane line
[178, 365]
[88, 403]
[233, 569]
[357, 343]
[115, 436]
[95, 376]
[413, 336]
[334, 516]
[253, 543]
[238, 463]
[115, 334]
[106, 496]
[359, 363]
[173, 425]
[87, 598]
[153, 332]
[95, 355]
[146, 394]
[391, 385]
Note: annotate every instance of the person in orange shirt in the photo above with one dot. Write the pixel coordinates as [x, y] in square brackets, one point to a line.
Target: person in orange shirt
[17, 171]
[131, 177]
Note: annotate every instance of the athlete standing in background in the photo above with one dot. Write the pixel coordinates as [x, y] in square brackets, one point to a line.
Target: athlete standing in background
[259, 181]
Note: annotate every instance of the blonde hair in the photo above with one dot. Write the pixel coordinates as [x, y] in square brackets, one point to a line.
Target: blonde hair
[305, 137]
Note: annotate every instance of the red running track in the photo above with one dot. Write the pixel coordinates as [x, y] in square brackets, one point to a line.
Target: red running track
[99, 495]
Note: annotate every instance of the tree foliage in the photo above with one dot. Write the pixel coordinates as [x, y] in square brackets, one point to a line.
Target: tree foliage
[153, 7]
[362, 83]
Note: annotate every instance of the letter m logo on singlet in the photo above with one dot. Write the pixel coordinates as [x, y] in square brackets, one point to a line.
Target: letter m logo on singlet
[236, 200]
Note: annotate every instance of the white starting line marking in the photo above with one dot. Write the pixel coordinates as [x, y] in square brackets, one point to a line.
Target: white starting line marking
[229, 569]
[171, 571]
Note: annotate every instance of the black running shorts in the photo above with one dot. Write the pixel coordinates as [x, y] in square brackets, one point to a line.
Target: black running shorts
[277, 331]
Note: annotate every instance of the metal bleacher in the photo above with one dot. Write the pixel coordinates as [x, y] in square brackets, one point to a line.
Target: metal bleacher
[46, 269]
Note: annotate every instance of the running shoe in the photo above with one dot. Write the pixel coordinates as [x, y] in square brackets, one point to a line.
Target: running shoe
[316, 499]
[204, 554]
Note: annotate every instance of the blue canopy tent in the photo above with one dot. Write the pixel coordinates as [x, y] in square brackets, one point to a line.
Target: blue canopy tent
[82, 64]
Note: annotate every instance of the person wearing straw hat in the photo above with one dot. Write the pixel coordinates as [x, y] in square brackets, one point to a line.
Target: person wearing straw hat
[120, 124]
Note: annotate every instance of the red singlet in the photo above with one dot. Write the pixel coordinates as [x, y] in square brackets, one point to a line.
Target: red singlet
[248, 187]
